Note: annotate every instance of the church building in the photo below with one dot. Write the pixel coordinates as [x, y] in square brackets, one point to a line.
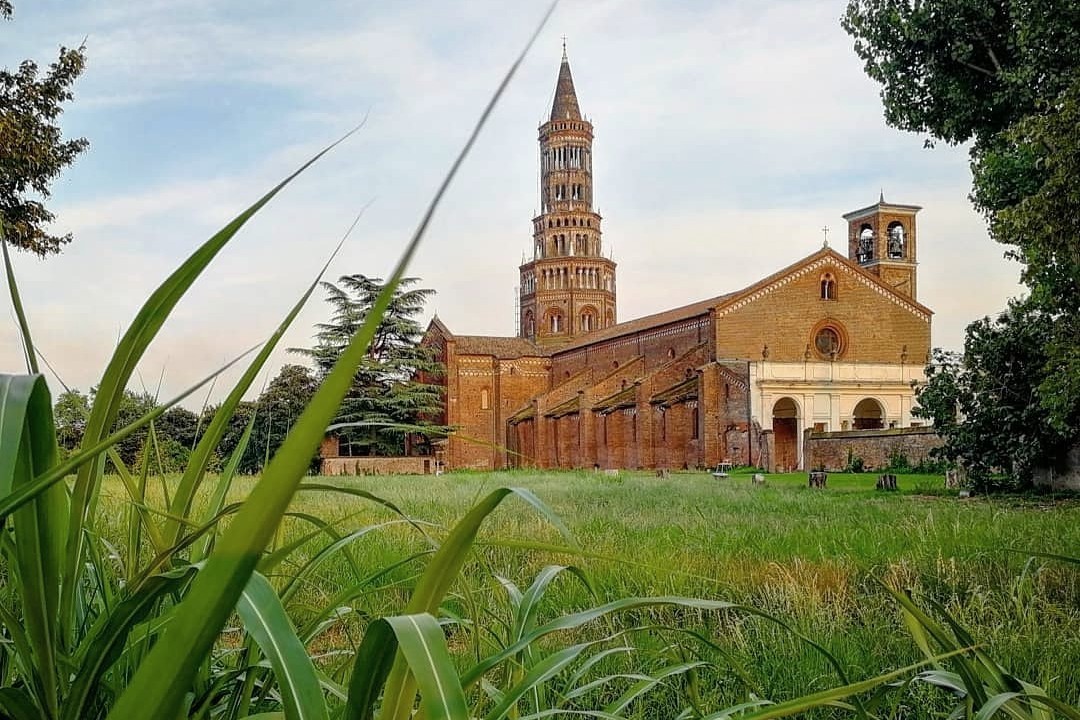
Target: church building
[831, 342]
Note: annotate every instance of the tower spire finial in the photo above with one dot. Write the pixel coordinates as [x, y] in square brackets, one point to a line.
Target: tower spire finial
[565, 106]
[564, 48]
[881, 197]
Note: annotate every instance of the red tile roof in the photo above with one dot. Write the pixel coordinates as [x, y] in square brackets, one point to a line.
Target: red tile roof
[648, 322]
[504, 348]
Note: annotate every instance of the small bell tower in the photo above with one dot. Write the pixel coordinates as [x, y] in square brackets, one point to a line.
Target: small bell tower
[568, 287]
[882, 239]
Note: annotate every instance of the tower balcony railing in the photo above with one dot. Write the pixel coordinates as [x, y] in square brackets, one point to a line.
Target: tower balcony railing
[566, 205]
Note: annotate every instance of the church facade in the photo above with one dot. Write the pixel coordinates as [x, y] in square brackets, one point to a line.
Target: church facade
[831, 342]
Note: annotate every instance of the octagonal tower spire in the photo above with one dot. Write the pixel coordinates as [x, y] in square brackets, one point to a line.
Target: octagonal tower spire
[565, 106]
[568, 287]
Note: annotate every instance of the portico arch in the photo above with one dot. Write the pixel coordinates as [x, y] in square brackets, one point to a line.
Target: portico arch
[785, 426]
[868, 415]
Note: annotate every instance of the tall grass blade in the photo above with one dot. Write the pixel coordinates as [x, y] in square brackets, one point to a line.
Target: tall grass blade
[138, 504]
[374, 660]
[83, 457]
[265, 620]
[167, 672]
[435, 583]
[129, 352]
[299, 578]
[16, 704]
[221, 490]
[1048, 556]
[923, 627]
[540, 673]
[29, 439]
[422, 644]
[833, 695]
[576, 620]
[108, 637]
[197, 463]
[643, 686]
[16, 303]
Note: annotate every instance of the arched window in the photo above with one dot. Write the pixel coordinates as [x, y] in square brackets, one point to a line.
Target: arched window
[555, 322]
[485, 399]
[671, 353]
[897, 240]
[828, 287]
[530, 328]
[588, 319]
[865, 253]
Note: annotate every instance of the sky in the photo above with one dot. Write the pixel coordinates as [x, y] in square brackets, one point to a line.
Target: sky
[728, 135]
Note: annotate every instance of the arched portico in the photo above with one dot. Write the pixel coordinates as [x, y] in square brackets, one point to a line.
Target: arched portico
[868, 415]
[786, 433]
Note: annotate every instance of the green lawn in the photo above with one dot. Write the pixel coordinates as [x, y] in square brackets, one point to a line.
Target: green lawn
[810, 556]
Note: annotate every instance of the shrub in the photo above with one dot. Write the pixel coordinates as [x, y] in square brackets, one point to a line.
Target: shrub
[854, 464]
[898, 462]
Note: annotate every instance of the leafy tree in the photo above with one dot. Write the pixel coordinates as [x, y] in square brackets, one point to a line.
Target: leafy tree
[390, 386]
[33, 150]
[132, 407]
[1032, 178]
[71, 411]
[280, 404]
[980, 401]
[179, 424]
[965, 69]
[1005, 77]
[250, 462]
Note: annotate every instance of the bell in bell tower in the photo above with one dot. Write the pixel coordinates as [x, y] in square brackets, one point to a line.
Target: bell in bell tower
[568, 287]
[882, 240]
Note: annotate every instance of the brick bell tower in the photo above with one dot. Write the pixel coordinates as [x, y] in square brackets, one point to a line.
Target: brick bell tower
[882, 240]
[568, 288]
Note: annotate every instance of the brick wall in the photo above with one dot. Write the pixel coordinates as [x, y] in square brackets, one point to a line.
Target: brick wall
[875, 327]
[483, 392]
[378, 466]
[830, 450]
[726, 414]
[654, 345]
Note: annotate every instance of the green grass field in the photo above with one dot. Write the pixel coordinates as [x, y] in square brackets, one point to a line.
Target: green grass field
[809, 556]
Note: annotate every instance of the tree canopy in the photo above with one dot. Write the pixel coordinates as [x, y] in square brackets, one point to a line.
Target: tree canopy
[388, 390]
[981, 400]
[1006, 78]
[965, 69]
[33, 150]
